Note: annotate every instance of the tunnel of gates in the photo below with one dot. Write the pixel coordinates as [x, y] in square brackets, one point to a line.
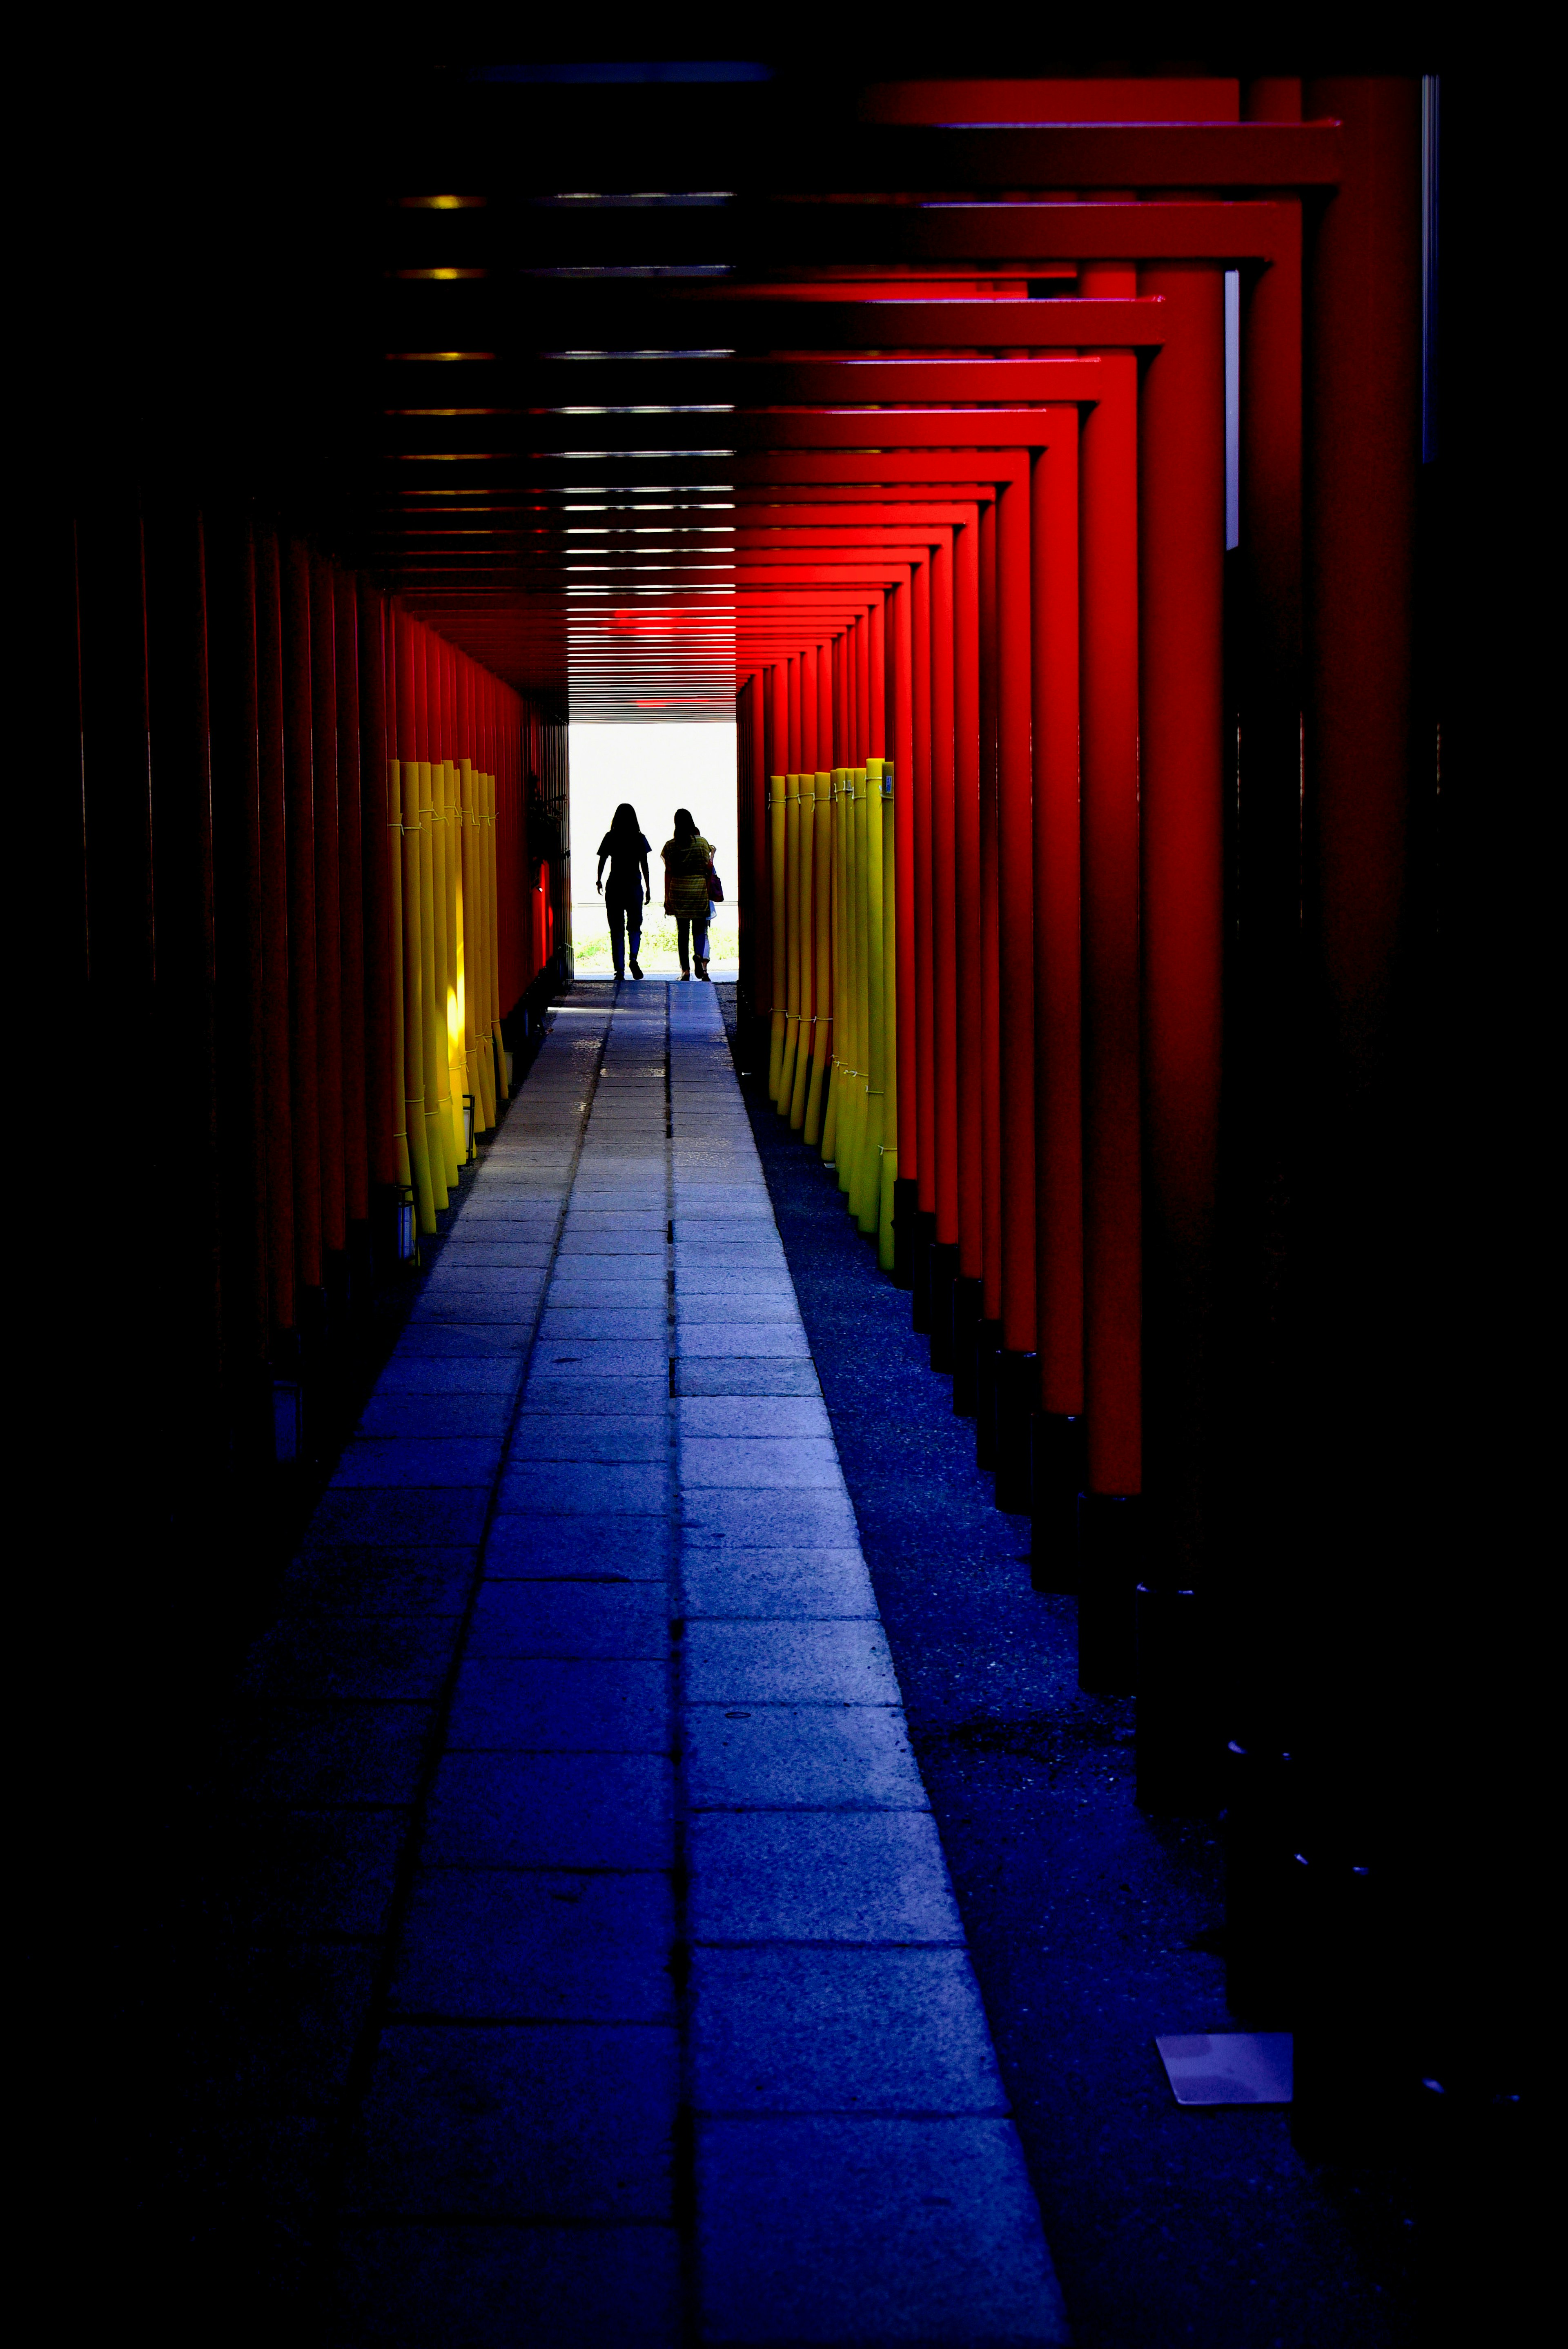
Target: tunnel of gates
[1040, 472]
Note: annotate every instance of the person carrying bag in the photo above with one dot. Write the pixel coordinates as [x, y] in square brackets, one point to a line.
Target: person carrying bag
[691, 886]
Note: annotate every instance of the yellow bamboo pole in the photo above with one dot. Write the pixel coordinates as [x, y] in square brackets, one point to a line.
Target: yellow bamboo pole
[850, 1051]
[493, 928]
[863, 1149]
[456, 1039]
[438, 1124]
[393, 845]
[822, 939]
[486, 951]
[791, 943]
[438, 1078]
[890, 1026]
[776, 842]
[806, 927]
[835, 1073]
[428, 1173]
[471, 966]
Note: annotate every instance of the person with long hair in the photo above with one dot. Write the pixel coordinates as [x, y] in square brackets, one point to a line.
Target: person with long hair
[625, 851]
[687, 856]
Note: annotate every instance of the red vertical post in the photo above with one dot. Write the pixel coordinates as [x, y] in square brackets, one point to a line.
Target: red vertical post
[824, 708]
[778, 720]
[924, 903]
[1112, 1177]
[863, 688]
[328, 907]
[969, 1035]
[383, 1049]
[990, 949]
[808, 666]
[274, 877]
[840, 757]
[300, 816]
[1181, 531]
[903, 875]
[1059, 1104]
[876, 675]
[351, 899]
[792, 672]
[943, 900]
[1015, 826]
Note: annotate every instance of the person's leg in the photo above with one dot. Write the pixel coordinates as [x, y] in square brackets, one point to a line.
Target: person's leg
[683, 942]
[617, 913]
[700, 941]
[635, 935]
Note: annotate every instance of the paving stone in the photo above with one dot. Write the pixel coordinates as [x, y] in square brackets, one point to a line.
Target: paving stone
[817, 1518]
[552, 1391]
[429, 1416]
[788, 1663]
[602, 1358]
[774, 1419]
[750, 1339]
[544, 1945]
[380, 1581]
[322, 1755]
[561, 1706]
[775, 1583]
[802, 2030]
[409, 2287]
[453, 1342]
[867, 2230]
[800, 1758]
[471, 1374]
[781, 1876]
[585, 1488]
[551, 1810]
[731, 1462]
[519, 2121]
[377, 1462]
[628, 1619]
[450, 1515]
[342, 1652]
[636, 1548]
[606, 1436]
[725, 1375]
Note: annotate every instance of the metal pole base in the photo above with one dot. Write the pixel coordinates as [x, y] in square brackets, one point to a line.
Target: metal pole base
[1017, 1377]
[1061, 1471]
[969, 1308]
[944, 1274]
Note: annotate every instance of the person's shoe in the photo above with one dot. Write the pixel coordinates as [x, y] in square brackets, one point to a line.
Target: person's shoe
[685, 974]
[702, 970]
[636, 967]
[619, 972]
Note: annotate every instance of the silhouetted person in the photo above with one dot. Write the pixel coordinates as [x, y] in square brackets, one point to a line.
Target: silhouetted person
[687, 859]
[625, 851]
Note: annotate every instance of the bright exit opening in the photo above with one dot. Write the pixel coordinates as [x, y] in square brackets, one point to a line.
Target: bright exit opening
[658, 769]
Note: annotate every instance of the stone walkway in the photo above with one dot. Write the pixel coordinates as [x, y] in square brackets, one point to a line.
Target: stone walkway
[679, 2041]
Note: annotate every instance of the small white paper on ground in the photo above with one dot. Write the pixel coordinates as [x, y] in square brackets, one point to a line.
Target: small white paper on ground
[1232, 2068]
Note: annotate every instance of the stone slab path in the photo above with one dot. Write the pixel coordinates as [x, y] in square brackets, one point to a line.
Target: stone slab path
[678, 2041]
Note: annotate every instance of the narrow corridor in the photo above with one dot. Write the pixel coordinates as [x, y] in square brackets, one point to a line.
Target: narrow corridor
[678, 2038]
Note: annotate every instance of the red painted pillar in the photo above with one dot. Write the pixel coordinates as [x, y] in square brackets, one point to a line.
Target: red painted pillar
[300, 820]
[876, 674]
[863, 688]
[904, 943]
[924, 906]
[351, 898]
[840, 757]
[1109, 711]
[1181, 529]
[792, 670]
[990, 979]
[808, 698]
[328, 906]
[824, 708]
[969, 1048]
[944, 906]
[1059, 1104]
[1016, 828]
[383, 1047]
